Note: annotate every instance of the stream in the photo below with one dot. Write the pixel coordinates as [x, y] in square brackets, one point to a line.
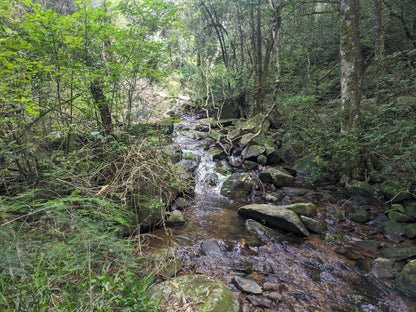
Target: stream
[314, 273]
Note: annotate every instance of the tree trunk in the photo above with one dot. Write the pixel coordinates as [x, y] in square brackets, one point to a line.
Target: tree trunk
[351, 79]
[351, 66]
[379, 40]
[100, 100]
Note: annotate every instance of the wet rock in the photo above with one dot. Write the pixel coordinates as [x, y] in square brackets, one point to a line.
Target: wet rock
[259, 230]
[210, 179]
[360, 215]
[250, 165]
[367, 245]
[411, 231]
[175, 218]
[260, 302]
[393, 228]
[271, 286]
[262, 160]
[211, 294]
[235, 161]
[382, 268]
[210, 248]
[278, 216]
[275, 296]
[274, 197]
[278, 177]
[303, 209]
[399, 253]
[361, 188]
[247, 285]
[181, 203]
[253, 151]
[294, 191]
[406, 281]
[217, 154]
[313, 225]
[238, 186]
[325, 196]
[411, 211]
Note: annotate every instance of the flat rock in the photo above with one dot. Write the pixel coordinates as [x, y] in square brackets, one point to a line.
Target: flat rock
[278, 216]
[260, 302]
[211, 294]
[302, 209]
[399, 253]
[247, 285]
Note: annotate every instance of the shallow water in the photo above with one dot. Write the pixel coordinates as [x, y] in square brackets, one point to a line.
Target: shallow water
[310, 275]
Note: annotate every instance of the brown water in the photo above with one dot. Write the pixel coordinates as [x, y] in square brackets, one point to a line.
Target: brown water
[310, 275]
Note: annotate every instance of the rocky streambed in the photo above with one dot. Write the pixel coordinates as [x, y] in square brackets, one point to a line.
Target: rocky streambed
[256, 237]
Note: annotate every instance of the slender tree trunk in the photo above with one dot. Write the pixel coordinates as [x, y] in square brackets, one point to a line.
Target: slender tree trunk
[100, 100]
[351, 80]
[351, 65]
[379, 40]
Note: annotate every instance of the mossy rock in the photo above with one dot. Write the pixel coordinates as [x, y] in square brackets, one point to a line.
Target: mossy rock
[411, 210]
[360, 215]
[209, 294]
[303, 209]
[392, 190]
[406, 281]
[411, 231]
[238, 186]
[361, 188]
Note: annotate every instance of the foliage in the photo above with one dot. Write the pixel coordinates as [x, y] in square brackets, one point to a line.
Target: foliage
[64, 255]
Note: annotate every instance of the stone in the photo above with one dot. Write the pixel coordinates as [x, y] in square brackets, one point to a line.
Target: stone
[398, 216]
[391, 190]
[181, 203]
[360, 215]
[382, 268]
[259, 230]
[275, 295]
[393, 227]
[313, 225]
[175, 218]
[336, 213]
[361, 188]
[303, 209]
[237, 186]
[278, 216]
[253, 151]
[260, 302]
[247, 285]
[406, 281]
[262, 160]
[210, 248]
[295, 191]
[211, 294]
[411, 231]
[411, 211]
[250, 165]
[399, 253]
[370, 245]
[278, 177]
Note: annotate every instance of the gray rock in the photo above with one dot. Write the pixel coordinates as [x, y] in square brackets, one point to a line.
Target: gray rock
[253, 151]
[277, 216]
[278, 177]
[382, 268]
[393, 227]
[406, 281]
[398, 216]
[360, 188]
[294, 191]
[411, 231]
[175, 218]
[250, 165]
[303, 209]
[360, 215]
[211, 294]
[262, 160]
[313, 225]
[411, 211]
[367, 244]
[210, 248]
[247, 285]
[399, 253]
[181, 203]
[259, 230]
[238, 186]
[260, 302]
[336, 213]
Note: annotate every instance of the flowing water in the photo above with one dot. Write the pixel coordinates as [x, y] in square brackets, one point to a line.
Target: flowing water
[306, 273]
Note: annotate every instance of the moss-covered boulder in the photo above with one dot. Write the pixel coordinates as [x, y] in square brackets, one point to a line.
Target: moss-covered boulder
[253, 151]
[277, 216]
[303, 209]
[279, 177]
[360, 215]
[399, 253]
[238, 186]
[406, 281]
[361, 188]
[411, 231]
[175, 218]
[393, 190]
[210, 294]
[313, 225]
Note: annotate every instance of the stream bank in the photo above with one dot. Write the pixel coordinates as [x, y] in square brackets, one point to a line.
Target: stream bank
[351, 265]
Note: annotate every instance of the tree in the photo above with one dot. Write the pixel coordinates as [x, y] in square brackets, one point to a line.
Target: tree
[352, 70]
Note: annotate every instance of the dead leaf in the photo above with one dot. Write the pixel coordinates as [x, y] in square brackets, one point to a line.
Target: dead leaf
[175, 285]
[103, 189]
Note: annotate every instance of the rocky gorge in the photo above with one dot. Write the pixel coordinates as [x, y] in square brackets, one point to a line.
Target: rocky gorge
[256, 235]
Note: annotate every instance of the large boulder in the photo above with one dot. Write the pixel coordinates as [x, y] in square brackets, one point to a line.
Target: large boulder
[253, 151]
[278, 216]
[238, 186]
[211, 294]
[406, 281]
[279, 177]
